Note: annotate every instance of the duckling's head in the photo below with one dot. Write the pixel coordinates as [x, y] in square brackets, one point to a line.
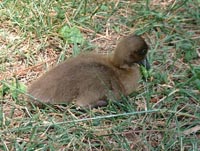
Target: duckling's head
[130, 50]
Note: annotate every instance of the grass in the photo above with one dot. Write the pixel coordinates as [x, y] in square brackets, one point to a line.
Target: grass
[163, 115]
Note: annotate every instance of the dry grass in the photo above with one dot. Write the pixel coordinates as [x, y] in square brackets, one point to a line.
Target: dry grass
[163, 115]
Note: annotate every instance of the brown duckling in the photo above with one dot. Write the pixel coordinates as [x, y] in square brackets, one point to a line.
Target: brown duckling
[90, 80]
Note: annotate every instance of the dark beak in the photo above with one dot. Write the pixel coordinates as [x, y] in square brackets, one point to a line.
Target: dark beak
[145, 63]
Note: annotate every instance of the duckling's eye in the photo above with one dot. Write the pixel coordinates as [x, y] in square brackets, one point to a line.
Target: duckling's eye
[142, 52]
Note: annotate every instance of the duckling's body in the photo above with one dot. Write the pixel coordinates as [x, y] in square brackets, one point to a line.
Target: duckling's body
[92, 79]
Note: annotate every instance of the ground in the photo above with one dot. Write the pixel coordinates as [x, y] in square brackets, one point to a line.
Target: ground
[163, 114]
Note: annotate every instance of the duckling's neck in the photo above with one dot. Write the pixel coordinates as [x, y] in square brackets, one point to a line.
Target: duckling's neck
[118, 63]
[115, 60]
[112, 60]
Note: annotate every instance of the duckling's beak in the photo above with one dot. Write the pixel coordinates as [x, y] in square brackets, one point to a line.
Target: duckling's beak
[145, 63]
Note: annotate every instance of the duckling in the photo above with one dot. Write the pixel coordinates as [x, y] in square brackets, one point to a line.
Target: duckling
[90, 80]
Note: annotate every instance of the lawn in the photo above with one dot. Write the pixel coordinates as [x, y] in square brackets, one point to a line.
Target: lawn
[163, 115]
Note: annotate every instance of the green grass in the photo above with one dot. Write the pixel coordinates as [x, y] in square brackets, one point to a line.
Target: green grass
[163, 115]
